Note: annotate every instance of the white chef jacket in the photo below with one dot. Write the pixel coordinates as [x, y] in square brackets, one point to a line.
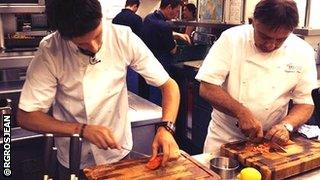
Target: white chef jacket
[262, 82]
[92, 94]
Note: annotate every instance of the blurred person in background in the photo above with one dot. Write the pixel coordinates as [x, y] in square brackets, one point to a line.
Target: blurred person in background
[189, 13]
[160, 38]
[128, 17]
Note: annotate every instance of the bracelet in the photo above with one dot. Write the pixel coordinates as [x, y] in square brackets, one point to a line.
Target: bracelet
[82, 129]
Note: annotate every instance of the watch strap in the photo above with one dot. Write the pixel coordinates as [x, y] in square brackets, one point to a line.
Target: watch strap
[168, 125]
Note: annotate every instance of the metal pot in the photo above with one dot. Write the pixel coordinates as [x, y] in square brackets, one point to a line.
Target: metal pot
[224, 166]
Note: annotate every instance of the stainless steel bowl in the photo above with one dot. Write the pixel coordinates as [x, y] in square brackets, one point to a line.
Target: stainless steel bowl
[224, 166]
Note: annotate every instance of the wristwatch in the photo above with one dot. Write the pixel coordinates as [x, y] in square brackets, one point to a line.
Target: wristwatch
[168, 125]
[288, 126]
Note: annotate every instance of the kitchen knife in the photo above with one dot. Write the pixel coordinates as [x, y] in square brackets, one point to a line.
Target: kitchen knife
[275, 146]
[75, 156]
[136, 152]
[53, 163]
[47, 155]
[278, 147]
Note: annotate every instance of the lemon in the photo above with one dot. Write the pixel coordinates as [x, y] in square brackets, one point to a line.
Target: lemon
[249, 173]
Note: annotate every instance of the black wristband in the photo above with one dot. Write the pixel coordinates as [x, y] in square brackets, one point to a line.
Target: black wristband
[82, 129]
[169, 126]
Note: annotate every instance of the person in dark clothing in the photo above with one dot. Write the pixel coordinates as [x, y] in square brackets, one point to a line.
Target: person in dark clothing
[160, 38]
[128, 17]
[158, 34]
[189, 13]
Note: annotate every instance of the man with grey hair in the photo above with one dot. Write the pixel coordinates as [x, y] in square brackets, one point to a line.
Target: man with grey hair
[252, 72]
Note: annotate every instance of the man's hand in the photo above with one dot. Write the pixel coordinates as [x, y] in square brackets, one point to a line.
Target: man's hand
[100, 136]
[250, 126]
[278, 134]
[165, 141]
[183, 37]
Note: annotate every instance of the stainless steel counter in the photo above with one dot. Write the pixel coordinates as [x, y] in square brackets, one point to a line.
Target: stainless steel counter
[310, 175]
[15, 59]
[141, 113]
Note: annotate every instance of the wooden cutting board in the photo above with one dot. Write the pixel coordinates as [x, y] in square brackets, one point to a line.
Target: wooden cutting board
[301, 156]
[184, 168]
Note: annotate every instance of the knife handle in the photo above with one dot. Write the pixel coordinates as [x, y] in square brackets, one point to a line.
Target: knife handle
[47, 153]
[53, 163]
[75, 155]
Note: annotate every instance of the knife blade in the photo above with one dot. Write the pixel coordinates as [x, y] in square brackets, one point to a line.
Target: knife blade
[136, 152]
[275, 146]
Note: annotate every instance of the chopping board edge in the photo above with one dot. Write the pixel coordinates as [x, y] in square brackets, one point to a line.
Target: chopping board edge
[203, 167]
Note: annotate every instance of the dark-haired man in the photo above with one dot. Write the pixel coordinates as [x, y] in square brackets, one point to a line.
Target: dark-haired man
[189, 14]
[160, 38]
[158, 34]
[252, 72]
[128, 17]
[80, 71]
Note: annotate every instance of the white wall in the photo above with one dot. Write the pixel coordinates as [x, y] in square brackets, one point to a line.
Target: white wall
[111, 8]
[148, 6]
[315, 14]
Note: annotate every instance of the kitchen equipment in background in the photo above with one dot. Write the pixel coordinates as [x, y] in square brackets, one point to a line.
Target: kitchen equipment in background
[22, 40]
[7, 75]
[22, 2]
[5, 109]
[1, 35]
[39, 20]
[24, 24]
[224, 166]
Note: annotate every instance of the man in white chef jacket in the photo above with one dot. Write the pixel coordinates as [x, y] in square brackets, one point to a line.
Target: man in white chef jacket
[80, 70]
[251, 73]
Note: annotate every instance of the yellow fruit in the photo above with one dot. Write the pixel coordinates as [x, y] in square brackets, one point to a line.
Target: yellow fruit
[249, 173]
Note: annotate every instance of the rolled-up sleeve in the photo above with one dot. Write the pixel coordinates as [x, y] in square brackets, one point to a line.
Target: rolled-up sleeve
[39, 88]
[216, 65]
[307, 81]
[144, 62]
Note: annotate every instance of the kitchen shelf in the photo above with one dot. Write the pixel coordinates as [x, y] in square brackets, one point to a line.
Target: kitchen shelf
[203, 24]
[8, 9]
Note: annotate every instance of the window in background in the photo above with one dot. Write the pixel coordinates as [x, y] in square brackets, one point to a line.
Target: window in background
[302, 12]
[314, 14]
